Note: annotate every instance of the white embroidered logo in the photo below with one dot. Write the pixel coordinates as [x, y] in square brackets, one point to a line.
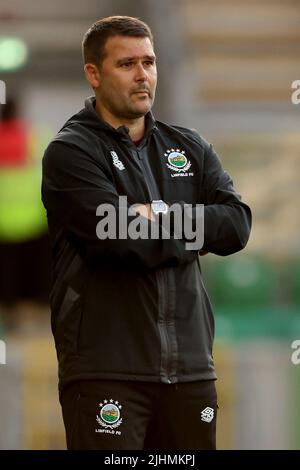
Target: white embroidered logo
[116, 161]
[207, 414]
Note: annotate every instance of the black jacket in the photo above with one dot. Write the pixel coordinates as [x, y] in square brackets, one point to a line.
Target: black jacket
[133, 309]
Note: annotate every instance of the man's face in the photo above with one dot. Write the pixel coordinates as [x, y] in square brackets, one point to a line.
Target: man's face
[128, 77]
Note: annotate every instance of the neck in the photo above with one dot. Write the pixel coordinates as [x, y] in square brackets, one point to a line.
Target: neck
[136, 126]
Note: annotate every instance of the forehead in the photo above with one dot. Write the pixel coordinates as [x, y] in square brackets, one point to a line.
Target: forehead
[117, 47]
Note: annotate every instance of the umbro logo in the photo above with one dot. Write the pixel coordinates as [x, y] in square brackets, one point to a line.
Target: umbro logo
[116, 161]
[207, 414]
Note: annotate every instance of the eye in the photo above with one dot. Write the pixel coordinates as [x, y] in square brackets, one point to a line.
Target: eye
[149, 63]
[126, 65]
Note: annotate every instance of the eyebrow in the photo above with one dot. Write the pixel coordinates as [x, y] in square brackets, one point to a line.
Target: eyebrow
[130, 59]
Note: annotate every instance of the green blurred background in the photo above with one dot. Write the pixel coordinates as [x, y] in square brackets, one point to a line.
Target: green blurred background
[226, 69]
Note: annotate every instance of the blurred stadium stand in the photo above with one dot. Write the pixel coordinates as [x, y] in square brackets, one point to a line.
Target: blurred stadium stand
[226, 68]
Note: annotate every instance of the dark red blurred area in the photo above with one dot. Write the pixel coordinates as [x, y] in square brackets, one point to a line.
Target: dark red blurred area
[13, 143]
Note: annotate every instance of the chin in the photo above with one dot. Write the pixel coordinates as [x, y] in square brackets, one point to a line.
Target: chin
[141, 110]
[136, 113]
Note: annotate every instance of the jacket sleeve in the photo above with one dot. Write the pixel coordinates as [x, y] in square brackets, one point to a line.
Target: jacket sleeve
[73, 186]
[227, 220]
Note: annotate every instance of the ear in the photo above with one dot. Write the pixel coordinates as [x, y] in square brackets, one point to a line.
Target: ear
[92, 75]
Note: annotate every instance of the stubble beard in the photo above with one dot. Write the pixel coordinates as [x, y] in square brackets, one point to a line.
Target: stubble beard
[133, 111]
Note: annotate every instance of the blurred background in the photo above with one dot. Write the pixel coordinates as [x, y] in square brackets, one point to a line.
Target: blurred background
[226, 69]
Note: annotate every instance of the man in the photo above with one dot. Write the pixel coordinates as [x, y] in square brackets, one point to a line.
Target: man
[131, 319]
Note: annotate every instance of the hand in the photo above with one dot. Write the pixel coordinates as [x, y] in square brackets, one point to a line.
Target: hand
[145, 210]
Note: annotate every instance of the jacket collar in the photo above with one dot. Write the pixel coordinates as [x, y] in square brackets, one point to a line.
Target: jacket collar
[121, 131]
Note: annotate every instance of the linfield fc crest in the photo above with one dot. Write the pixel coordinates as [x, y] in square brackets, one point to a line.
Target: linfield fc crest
[109, 416]
[177, 162]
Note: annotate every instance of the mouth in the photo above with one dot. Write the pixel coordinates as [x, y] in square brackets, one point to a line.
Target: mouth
[141, 92]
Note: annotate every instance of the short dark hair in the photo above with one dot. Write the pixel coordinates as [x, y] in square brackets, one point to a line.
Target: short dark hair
[94, 40]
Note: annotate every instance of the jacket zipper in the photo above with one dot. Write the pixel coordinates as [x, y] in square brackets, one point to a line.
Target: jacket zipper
[166, 352]
[162, 328]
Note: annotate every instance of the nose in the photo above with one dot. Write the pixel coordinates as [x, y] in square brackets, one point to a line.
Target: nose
[141, 74]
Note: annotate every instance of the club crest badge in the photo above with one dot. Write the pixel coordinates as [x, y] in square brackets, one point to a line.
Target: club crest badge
[177, 162]
[109, 416]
